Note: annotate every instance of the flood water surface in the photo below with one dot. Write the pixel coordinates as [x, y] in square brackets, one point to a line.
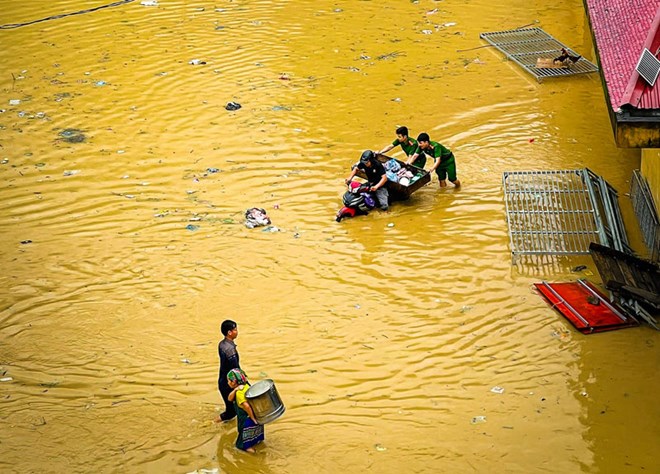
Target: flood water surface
[124, 182]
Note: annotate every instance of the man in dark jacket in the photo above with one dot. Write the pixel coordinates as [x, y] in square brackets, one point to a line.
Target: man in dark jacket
[376, 177]
[228, 360]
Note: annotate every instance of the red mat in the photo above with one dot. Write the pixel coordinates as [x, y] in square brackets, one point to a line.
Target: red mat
[584, 306]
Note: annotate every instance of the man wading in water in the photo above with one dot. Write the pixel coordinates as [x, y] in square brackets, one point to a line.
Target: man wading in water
[408, 145]
[228, 360]
[444, 163]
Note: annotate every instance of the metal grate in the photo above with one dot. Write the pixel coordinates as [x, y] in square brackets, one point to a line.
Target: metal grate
[648, 66]
[526, 46]
[562, 212]
[647, 214]
[550, 212]
[606, 204]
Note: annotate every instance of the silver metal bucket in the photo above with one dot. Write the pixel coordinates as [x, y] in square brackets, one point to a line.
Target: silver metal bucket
[265, 401]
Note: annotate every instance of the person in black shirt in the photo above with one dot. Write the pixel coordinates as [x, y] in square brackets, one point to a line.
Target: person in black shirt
[228, 360]
[376, 177]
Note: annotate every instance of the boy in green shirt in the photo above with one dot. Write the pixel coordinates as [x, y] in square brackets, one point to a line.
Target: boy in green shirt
[408, 145]
[444, 163]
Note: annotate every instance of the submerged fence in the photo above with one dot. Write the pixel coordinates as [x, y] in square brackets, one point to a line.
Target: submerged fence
[647, 214]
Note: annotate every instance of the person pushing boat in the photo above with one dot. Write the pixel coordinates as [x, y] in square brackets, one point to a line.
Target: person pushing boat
[444, 163]
[408, 145]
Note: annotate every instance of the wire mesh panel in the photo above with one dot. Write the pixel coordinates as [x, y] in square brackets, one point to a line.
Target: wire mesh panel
[550, 212]
[527, 46]
[647, 214]
[606, 205]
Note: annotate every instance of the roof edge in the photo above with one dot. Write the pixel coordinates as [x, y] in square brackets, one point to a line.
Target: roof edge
[633, 93]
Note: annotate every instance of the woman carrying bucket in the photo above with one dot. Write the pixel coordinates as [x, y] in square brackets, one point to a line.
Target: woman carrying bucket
[250, 432]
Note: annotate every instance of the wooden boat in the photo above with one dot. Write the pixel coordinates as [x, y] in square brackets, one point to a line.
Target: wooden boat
[398, 191]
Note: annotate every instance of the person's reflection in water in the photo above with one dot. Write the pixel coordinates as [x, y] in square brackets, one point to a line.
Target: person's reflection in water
[232, 459]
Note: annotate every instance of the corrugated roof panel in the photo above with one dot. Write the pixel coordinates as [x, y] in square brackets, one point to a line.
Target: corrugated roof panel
[622, 28]
[638, 93]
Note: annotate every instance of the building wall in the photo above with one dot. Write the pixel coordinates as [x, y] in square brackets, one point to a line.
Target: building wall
[635, 134]
[650, 169]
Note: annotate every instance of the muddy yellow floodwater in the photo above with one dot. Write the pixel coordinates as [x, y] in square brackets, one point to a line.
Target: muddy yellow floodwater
[384, 334]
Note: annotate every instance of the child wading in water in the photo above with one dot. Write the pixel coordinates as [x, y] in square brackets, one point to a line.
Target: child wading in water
[250, 433]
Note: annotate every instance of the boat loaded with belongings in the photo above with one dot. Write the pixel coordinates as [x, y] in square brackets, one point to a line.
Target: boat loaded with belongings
[402, 179]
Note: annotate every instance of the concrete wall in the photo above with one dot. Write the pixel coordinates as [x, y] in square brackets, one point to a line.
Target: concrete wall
[630, 133]
[636, 134]
[650, 169]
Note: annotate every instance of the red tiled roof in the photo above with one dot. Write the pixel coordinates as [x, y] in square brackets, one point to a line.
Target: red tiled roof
[623, 28]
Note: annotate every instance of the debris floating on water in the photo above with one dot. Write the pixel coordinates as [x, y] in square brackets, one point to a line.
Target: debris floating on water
[394, 54]
[255, 217]
[72, 135]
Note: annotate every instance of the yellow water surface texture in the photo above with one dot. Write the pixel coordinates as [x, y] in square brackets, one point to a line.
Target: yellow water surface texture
[123, 187]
